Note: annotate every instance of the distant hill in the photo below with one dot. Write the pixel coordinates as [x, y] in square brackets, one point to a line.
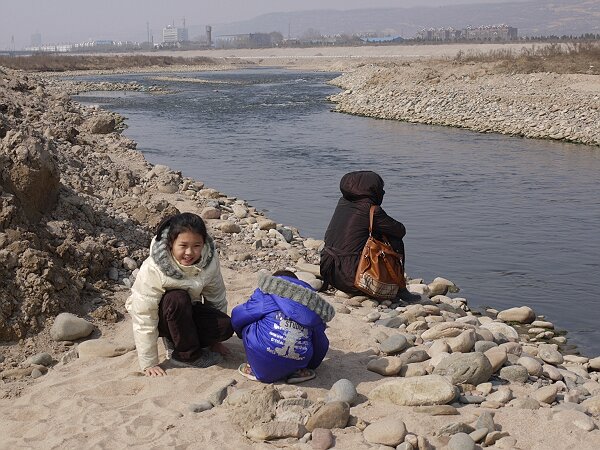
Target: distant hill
[535, 17]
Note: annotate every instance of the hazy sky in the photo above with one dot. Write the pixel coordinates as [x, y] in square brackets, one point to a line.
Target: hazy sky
[77, 20]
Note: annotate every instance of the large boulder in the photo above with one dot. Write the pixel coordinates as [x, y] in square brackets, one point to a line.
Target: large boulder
[473, 368]
[415, 391]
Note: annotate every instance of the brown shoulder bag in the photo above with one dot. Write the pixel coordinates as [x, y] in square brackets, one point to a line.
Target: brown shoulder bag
[380, 273]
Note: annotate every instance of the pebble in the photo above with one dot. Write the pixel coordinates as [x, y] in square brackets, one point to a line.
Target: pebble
[516, 374]
[42, 359]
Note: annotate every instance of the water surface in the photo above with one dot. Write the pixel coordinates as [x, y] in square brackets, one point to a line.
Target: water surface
[512, 221]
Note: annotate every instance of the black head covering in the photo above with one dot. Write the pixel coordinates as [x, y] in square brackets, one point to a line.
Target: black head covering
[363, 184]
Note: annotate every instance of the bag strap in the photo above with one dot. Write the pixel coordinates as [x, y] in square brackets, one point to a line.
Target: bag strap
[371, 214]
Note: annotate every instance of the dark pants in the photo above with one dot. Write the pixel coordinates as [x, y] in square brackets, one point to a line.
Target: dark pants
[191, 326]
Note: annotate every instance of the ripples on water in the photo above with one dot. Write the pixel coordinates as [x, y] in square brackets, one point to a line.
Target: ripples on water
[512, 221]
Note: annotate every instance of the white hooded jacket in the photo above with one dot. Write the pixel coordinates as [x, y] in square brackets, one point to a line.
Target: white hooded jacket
[159, 273]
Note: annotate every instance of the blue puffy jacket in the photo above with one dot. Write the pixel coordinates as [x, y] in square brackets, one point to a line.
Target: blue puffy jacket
[281, 334]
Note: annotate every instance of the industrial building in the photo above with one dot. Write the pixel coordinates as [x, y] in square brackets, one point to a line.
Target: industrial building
[173, 35]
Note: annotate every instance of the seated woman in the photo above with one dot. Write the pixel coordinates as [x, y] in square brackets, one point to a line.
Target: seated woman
[348, 232]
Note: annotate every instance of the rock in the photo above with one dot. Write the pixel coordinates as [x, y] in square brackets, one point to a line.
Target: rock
[445, 330]
[479, 434]
[315, 269]
[525, 403]
[533, 366]
[461, 441]
[266, 224]
[210, 213]
[592, 404]
[577, 418]
[342, 390]
[101, 348]
[437, 410]
[455, 427]
[517, 374]
[36, 373]
[68, 327]
[595, 363]
[276, 430]
[549, 354]
[394, 344]
[322, 439]
[42, 359]
[387, 366]
[415, 391]
[102, 124]
[501, 396]
[486, 420]
[501, 331]
[484, 346]
[464, 342]
[230, 227]
[472, 368]
[438, 347]
[523, 314]
[494, 436]
[546, 394]
[388, 431]
[391, 322]
[314, 244]
[331, 415]
[551, 372]
[497, 357]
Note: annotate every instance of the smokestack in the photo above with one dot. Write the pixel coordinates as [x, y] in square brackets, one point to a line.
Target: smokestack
[209, 35]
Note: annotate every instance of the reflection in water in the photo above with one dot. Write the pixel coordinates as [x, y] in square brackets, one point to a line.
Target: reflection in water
[512, 221]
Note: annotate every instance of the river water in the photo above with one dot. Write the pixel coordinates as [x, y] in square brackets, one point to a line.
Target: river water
[511, 221]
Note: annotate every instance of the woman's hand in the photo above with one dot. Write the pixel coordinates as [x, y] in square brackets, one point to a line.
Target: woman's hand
[155, 371]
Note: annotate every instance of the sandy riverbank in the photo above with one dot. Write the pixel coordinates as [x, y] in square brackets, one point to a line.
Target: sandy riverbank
[77, 247]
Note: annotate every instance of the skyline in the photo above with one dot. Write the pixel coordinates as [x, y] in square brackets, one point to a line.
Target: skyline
[62, 21]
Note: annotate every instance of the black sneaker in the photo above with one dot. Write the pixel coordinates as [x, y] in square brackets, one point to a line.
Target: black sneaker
[206, 359]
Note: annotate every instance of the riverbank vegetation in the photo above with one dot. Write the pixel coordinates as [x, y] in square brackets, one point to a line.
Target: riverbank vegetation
[580, 57]
[62, 63]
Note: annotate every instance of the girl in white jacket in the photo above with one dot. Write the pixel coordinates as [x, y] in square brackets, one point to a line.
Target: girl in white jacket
[179, 294]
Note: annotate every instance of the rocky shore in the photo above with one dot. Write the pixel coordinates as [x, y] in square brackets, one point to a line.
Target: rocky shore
[555, 106]
[79, 204]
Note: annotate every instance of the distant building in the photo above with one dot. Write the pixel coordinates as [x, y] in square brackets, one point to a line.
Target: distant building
[173, 35]
[492, 33]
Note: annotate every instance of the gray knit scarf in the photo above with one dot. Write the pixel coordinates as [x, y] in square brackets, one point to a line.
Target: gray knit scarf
[283, 288]
[161, 254]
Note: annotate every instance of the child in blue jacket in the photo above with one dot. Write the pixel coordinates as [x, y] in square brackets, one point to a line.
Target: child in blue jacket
[283, 329]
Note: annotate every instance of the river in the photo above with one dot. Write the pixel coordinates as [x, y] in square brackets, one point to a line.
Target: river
[511, 221]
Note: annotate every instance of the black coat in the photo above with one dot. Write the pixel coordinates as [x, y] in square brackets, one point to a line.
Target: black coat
[348, 229]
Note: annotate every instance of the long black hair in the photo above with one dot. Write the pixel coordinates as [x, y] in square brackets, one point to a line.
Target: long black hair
[178, 224]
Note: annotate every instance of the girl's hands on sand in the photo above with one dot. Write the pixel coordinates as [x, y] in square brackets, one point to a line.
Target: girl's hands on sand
[220, 348]
[155, 371]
